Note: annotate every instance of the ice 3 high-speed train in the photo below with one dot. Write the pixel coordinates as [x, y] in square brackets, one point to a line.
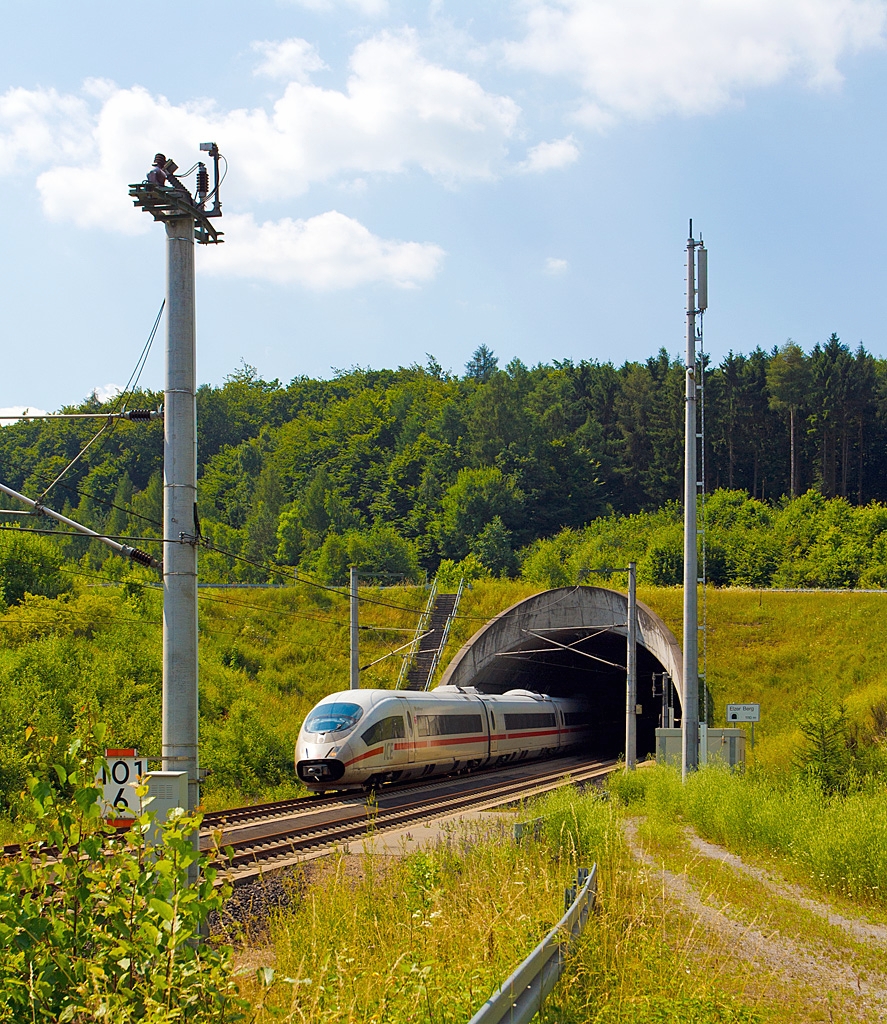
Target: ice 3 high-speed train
[363, 737]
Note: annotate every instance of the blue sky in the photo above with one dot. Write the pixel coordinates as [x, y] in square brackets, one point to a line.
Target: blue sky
[419, 178]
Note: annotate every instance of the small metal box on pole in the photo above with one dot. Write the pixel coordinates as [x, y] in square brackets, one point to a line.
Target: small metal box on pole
[167, 791]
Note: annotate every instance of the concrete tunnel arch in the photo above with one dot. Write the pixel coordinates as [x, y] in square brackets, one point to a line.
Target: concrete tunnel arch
[570, 641]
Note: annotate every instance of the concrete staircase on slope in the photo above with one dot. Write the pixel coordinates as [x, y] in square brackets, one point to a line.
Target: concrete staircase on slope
[431, 645]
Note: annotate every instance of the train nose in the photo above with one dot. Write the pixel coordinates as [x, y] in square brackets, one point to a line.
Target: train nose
[320, 769]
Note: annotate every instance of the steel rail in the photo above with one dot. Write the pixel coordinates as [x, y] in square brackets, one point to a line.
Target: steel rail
[248, 813]
[234, 816]
[296, 839]
[255, 812]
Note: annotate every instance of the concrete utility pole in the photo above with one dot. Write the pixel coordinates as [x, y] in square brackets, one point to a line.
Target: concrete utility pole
[180, 511]
[185, 218]
[355, 631]
[631, 674]
[696, 302]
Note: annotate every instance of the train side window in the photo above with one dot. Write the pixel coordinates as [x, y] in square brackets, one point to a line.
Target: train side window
[529, 720]
[447, 725]
[385, 729]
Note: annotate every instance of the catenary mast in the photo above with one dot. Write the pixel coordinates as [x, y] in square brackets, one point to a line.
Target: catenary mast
[697, 301]
[185, 218]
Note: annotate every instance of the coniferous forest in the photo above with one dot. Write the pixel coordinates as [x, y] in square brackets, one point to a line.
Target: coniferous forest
[402, 471]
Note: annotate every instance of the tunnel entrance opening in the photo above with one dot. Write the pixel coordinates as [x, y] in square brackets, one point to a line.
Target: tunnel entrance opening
[571, 642]
[538, 666]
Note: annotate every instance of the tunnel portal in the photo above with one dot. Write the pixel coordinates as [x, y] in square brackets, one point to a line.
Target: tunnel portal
[571, 642]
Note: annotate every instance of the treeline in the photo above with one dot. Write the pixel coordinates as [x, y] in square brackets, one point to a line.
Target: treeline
[397, 470]
[802, 543]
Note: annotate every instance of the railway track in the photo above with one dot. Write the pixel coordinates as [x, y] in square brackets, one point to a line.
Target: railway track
[226, 819]
[234, 816]
[273, 835]
[256, 812]
[279, 842]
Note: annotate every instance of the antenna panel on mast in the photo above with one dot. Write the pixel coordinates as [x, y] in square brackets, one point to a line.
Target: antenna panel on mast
[702, 278]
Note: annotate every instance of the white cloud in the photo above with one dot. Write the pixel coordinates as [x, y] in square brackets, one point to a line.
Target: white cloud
[641, 58]
[555, 266]
[288, 59]
[324, 253]
[39, 125]
[107, 391]
[369, 8]
[550, 156]
[19, 410]
[398, 112]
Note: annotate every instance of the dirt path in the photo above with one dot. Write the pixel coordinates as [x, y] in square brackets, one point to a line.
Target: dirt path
[862, 931]
[794, 959]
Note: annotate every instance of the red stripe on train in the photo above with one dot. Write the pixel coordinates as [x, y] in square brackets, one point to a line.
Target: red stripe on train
[426, 744]
[363, 757]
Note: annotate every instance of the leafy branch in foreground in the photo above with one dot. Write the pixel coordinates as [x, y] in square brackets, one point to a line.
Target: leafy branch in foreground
[97, 926]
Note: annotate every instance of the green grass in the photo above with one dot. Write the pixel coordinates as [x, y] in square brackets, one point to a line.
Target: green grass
[428, 937]
[267, 656]
[837, 844]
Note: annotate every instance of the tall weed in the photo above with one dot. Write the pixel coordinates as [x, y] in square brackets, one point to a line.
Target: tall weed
[839, 842]
[426, 938]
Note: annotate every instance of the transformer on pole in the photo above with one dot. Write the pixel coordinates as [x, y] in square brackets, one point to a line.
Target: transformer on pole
[185, 218]
[697, 301]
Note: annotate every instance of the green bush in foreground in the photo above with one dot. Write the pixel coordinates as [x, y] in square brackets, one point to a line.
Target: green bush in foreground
[838, 841]
[106, 929]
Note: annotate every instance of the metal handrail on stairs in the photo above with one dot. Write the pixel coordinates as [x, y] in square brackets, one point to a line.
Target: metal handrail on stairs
[421, 630]
[446, 632]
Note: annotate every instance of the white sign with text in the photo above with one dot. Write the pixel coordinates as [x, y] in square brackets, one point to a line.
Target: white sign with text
[743, 713]
[119, 780]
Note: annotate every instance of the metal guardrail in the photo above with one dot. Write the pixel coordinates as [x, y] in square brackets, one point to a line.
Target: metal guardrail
[532, 827]
[520, 997]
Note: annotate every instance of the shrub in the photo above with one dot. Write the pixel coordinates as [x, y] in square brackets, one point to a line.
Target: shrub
[107, 928]
[29, 565]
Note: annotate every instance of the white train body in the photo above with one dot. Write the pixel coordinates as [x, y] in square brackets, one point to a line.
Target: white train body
[363, 737]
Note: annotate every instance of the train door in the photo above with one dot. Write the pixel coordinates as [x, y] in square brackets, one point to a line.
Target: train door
[492, 726]
[411, 739]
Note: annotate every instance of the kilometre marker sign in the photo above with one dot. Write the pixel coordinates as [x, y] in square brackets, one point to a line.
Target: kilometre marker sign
[119, 780]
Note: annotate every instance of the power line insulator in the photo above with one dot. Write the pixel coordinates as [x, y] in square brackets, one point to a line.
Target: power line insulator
[141, 557]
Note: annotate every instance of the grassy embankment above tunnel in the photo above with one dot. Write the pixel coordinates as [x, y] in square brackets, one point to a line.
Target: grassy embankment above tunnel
[268, 655]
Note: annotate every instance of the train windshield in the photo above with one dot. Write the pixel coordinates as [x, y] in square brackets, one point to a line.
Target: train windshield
[333, 718]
